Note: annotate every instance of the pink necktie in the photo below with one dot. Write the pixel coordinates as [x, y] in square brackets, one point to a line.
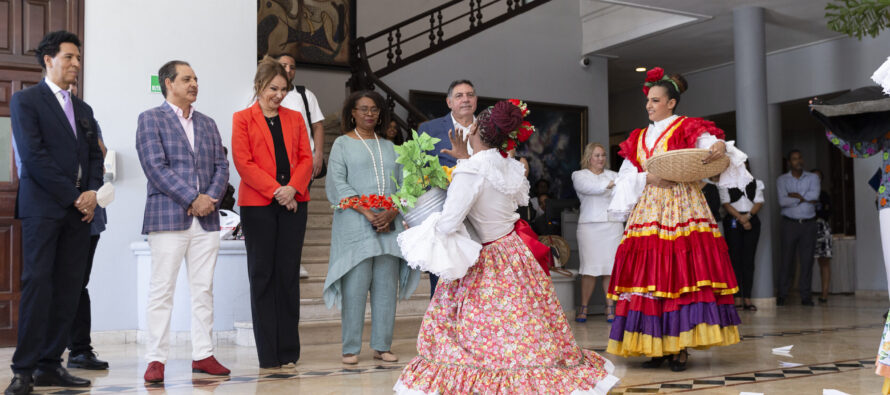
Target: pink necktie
[69, 110]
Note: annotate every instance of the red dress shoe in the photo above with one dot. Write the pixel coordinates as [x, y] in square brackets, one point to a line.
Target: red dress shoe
[209, 365]
[154, 373]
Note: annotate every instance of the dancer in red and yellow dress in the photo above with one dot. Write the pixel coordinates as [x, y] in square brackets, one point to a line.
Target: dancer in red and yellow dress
[672, 279]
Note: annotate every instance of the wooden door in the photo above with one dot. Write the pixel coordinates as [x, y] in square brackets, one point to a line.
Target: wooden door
[23, 23]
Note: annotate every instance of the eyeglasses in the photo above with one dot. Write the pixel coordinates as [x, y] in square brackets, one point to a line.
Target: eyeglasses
[368, 110]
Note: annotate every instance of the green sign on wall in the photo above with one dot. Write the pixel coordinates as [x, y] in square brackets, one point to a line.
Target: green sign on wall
[155, 85]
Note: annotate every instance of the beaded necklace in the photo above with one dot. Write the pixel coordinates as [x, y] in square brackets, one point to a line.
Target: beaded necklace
[379, 177]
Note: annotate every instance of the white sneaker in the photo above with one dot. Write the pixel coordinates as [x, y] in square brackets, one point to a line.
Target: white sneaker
[303, 272]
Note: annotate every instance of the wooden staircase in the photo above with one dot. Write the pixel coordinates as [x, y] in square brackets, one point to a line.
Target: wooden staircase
[318, 324]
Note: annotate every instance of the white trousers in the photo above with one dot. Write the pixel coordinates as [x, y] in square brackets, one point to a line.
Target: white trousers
[199, 248]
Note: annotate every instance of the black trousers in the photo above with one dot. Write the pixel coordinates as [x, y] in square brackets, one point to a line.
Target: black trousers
[434, 280]
[80, 328]
[742, 248]
[799, 237]
[273, 237]
[55, 253]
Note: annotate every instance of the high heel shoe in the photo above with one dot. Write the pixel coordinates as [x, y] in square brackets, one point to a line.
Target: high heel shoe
[581, 316]
[655, 362]
[610, 313]
[676, 364]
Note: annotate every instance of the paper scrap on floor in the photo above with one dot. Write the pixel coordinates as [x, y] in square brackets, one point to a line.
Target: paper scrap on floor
[789, 364]
[833, 392]
[750, 393]
[783, 351]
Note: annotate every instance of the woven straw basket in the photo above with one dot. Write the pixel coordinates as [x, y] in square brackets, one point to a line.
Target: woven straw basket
[684, 165]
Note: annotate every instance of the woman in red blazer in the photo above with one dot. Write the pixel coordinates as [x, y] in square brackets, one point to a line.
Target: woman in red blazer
[272, 155]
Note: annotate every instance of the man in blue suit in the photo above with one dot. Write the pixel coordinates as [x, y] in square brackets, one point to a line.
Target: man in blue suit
[181, 153]
[461, 99]
[61, 169]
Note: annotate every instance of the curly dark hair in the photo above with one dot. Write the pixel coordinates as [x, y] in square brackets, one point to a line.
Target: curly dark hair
[51, 43]
[348, 123]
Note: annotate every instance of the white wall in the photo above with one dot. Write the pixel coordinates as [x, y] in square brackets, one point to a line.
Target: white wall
[125, 42]
[800, 73]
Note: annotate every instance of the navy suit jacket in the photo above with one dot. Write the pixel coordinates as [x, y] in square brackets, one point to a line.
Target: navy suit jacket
[173, 168]
[50, 153]
[439, 128]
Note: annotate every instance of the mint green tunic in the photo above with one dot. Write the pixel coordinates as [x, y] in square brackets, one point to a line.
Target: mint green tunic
[350, 173]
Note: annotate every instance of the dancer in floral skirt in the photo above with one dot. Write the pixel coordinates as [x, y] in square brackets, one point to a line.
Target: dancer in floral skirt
[494, 325]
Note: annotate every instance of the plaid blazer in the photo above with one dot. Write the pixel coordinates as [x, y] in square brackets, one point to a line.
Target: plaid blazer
[172, 168]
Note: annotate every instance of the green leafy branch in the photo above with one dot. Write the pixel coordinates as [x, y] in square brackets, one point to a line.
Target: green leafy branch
[857, 18]
[420, 171]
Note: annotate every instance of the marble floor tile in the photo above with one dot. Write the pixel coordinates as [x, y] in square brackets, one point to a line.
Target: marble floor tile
[834, 344]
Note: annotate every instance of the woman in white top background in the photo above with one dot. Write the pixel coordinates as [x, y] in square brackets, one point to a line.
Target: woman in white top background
[598, 235]
[741, 229]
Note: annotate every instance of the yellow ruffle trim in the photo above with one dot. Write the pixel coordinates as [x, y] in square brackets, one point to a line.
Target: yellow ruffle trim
[719, 288]
[701, 337]
[671, 235]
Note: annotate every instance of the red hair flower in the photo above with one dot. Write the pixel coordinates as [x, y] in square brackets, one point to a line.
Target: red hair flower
[525, 131]
[655, 74]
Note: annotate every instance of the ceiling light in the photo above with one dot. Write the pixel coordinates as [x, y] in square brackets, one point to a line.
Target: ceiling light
[640, 69]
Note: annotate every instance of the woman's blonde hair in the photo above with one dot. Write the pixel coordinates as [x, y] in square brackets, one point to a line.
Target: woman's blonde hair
[588, 153]
[267, 69]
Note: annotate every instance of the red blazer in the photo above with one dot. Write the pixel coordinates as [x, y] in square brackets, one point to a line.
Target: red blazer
[254, 154]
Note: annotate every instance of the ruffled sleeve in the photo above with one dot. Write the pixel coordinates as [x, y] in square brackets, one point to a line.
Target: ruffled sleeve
[441, 244]
[735, 176]
[882, 76]
[627, 191]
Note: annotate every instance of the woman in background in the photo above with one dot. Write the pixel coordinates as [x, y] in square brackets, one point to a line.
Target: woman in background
[741, 229]
[598, 235]
[823, 239]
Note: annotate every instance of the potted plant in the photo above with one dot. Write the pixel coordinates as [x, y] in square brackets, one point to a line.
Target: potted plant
[424, 180]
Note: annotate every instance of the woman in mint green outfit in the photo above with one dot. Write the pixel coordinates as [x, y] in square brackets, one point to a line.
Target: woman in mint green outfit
[365, 256]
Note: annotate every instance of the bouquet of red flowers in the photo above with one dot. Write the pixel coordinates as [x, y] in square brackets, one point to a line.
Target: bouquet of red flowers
[367, 201]
[370, 202]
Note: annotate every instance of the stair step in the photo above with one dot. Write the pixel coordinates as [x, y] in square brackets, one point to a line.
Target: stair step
[319, 221]
[330, 332]
[313, 287]
[320, 325]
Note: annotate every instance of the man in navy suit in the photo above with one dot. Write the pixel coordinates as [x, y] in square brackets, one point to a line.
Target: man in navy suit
[461, 99]
[55, 135]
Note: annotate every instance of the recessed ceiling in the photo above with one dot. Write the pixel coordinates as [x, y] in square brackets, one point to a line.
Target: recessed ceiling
[708, 41]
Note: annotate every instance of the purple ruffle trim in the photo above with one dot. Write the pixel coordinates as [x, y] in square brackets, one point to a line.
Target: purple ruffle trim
[675, 322]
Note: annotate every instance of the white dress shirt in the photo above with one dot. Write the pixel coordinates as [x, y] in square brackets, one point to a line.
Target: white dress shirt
[743, 205]
[594, 194]
[464, 131]
[293, 101]
[57, 91]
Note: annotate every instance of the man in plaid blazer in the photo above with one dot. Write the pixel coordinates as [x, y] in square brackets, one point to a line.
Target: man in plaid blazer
[182, 156]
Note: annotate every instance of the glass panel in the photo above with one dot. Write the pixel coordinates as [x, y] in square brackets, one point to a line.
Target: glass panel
[5, 149]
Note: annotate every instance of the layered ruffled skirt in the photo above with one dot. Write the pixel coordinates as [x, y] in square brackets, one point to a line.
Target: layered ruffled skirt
[672, 279]
[501, 330]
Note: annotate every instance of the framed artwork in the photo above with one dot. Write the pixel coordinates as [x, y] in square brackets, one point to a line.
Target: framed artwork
[553, 152]
[317, 33]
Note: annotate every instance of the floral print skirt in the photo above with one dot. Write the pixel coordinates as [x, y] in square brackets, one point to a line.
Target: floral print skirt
[501, 330]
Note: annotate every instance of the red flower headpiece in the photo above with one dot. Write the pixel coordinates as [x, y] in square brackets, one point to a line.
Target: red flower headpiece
[654, 75]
